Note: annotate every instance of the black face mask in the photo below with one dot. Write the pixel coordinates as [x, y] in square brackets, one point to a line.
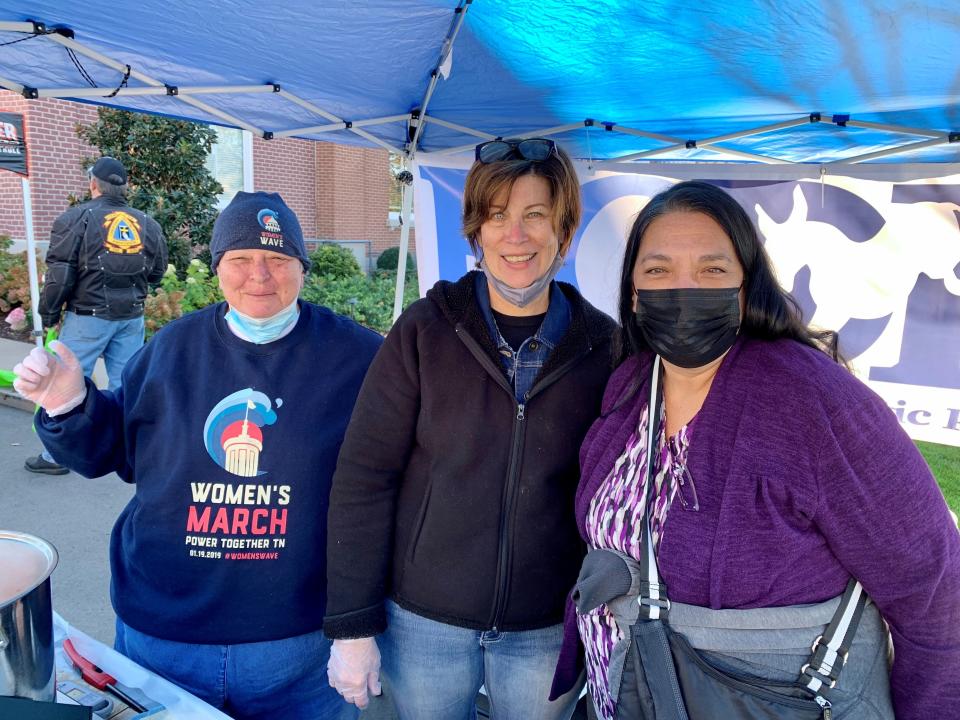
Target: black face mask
[689, 327]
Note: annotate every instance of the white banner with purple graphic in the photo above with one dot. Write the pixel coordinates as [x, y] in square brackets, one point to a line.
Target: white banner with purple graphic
[877, 261]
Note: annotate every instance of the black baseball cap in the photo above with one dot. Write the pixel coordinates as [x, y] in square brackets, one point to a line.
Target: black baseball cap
[109, 170]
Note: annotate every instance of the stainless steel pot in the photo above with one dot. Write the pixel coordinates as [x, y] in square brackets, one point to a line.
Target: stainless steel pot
[27, 666]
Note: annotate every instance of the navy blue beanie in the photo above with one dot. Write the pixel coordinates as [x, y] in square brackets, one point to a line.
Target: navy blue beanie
[258, 221]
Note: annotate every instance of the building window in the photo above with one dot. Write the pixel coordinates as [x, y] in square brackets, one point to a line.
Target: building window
[231, 162]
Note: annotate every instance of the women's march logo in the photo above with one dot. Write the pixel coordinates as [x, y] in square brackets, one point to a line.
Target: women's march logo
[233, 431]
[271, 235]
[268, 220]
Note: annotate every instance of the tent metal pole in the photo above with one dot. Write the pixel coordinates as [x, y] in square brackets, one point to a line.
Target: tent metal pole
[641, 133]
[894, 128]
[405, 204]
[103, 59]
[32, 262]
[459, 128]
[532, 133]
[377, 141]
[227, 117]
[555, 130]
[11, 85]
[455, 150]
[435, 75]
[745, 155]
[720, 138]
[332, 127]
[137, 75]
[900, 149]
[720, 150]
[24, 27]
[805, 120]
[342, 125]
[381, 120]
[154, 90]
[693, 170]
[307, 105]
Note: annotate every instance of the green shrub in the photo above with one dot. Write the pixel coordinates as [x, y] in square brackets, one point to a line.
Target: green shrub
[368, 300]
[334, 261]
[199, 288]
[15, 277]
[389, 257]
[175, 297]
[160, 307]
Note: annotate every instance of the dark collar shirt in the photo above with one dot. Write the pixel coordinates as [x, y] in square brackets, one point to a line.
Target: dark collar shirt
[523, 364]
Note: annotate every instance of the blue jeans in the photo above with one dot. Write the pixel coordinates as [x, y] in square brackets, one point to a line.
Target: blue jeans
[275, 679]
[90, 337]
[434, 670]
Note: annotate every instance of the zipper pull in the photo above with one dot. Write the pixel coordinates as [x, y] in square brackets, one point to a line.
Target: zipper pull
[521, 408]
[826, 705]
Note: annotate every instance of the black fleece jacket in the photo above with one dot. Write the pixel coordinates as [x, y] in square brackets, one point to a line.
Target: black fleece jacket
[449, 497]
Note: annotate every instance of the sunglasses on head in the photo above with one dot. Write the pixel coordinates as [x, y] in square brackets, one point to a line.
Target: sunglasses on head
[535, 149]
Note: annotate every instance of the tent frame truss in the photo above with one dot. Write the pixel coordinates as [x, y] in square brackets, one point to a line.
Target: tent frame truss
[418, 119]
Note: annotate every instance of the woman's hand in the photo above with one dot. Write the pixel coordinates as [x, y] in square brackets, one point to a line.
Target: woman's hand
[54, 382]
[354, 670]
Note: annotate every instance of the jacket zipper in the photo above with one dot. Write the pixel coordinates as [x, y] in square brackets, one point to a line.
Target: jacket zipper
[513, 466]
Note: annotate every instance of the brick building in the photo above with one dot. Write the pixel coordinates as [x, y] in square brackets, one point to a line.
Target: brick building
[340, 193]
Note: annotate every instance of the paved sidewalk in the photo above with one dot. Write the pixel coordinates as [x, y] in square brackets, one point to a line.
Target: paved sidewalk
[73, 513]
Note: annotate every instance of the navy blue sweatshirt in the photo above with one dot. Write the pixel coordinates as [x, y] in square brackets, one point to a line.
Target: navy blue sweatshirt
[232, 447]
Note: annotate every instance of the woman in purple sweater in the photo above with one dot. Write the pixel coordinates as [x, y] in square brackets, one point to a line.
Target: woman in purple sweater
[778, 475]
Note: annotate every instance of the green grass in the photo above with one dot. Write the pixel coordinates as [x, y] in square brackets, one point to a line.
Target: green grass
[944, 462]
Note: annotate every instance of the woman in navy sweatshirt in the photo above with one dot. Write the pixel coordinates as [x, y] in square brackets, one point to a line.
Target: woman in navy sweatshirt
[229, 421]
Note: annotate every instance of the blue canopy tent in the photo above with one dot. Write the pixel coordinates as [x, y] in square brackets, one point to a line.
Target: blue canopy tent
[809, 86]
[802, 81]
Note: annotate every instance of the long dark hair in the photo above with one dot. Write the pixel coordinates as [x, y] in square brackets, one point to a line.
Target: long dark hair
[769, 311]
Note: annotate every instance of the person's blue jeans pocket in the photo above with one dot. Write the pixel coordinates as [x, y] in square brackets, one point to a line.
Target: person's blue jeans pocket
[279, 678]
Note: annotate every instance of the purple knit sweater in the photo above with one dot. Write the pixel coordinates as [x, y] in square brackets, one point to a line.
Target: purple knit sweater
[804, 478]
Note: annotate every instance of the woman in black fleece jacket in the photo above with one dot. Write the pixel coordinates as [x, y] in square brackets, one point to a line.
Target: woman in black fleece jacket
[452, 542]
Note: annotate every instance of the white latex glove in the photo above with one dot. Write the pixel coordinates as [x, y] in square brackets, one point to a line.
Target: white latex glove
[354, 670]
[54, 382]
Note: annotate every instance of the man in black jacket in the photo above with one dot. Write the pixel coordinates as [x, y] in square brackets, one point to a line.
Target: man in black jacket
[102, 254]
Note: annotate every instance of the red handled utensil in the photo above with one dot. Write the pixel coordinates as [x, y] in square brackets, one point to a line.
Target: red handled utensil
[99, 679]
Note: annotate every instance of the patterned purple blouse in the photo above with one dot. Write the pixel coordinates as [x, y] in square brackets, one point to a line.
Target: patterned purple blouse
[615, 521]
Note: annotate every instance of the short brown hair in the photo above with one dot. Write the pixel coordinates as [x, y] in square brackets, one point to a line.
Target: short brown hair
[487, 180]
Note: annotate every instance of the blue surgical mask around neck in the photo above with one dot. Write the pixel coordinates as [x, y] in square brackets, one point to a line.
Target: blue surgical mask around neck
[263, 330]
[525, 295]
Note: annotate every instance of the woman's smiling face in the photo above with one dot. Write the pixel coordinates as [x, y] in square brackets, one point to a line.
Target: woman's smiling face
[518, 239]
